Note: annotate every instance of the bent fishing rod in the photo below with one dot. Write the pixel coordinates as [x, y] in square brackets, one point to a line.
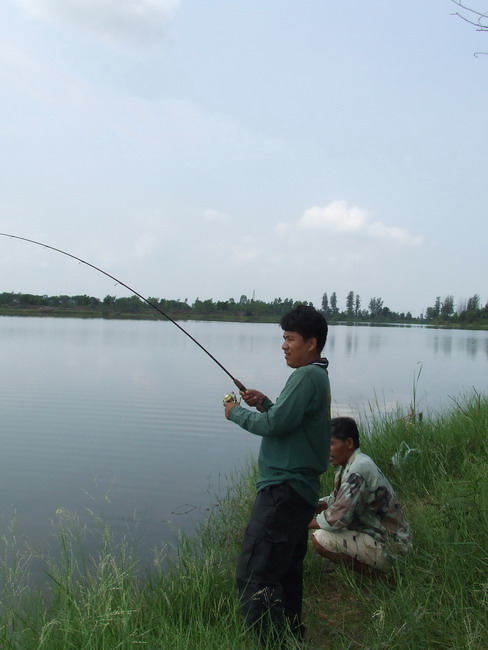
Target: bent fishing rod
[239, 385]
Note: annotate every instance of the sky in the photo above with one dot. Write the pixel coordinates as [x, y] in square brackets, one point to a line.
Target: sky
[220, 148]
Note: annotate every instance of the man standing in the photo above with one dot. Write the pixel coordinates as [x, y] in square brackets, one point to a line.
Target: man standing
[361, 524]
[293, 454]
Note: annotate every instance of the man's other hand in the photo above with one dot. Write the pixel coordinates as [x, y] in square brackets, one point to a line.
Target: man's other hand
[228, 406]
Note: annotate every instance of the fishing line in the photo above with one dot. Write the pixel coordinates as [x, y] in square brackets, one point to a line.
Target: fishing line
[239, 385]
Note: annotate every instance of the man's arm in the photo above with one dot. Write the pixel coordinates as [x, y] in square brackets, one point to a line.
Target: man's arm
[282, 417]
[320, 507]
[342, 511]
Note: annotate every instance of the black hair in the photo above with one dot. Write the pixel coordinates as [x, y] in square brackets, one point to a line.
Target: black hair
[308, 322]
[344, 428]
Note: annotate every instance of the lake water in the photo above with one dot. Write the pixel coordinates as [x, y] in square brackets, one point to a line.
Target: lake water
[125, 418]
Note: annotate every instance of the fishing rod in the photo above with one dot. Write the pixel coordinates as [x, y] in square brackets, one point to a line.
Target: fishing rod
[239, 385]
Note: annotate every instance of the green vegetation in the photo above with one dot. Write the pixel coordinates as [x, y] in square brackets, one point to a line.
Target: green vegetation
[470, 314]
[439, 598]
[133, 307]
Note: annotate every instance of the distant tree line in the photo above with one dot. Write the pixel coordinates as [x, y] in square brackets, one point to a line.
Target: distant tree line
[133, 305]
[375, 310]
[443, 312]
[468, 311]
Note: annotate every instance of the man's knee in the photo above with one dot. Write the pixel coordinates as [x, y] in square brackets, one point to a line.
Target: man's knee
[352, 548]
[334, 557]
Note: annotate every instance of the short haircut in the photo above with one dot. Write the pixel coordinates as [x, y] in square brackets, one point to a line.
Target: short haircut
[308, 322]
[344, 428]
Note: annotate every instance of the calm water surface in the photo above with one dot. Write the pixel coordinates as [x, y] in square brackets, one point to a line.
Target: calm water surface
[125, 418]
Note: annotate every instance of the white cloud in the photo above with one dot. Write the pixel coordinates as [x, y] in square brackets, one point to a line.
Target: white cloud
[340, 218]
[337, 216]
[380, 231]
[135, 20]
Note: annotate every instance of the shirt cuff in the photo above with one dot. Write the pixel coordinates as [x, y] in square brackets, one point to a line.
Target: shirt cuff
[267, 403]
[321, 520]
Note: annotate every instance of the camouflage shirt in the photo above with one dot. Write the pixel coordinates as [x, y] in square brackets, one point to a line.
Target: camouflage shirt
[363, 500]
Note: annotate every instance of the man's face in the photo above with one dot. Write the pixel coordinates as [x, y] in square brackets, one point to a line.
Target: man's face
[299, 351]
[340, 451]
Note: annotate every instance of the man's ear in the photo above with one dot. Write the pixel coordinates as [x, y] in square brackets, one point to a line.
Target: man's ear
[312, 343]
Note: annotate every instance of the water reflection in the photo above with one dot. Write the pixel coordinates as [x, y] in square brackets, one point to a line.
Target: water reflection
[351, 344]
[472, 344]
[442, 344]
[446, 345]
[472, 347]
[374, 341]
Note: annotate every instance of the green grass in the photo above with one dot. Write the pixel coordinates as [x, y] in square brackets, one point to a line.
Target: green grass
[439, 598]
[440, 594]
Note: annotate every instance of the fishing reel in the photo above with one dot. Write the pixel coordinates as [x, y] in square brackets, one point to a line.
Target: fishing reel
[230, 398]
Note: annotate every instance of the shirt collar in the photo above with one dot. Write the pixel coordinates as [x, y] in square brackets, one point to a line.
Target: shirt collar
[353, 456]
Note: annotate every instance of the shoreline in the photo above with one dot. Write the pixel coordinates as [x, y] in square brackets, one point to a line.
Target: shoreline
[107, 314]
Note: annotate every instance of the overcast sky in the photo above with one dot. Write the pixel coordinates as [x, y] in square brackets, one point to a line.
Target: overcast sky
[217, 148]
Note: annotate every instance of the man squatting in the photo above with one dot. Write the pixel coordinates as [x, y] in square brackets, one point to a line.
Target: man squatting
[293, 454]
[361, 524]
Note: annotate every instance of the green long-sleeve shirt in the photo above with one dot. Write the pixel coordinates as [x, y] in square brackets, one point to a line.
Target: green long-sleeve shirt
[295, 432]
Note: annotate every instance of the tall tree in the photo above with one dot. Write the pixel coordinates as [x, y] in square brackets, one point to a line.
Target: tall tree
[350, 304]
[357, 306]
[473, 303]
[325, 304]
[333, 304]
[437, 306]
[375, 307]
[434, 312]
[447, 308]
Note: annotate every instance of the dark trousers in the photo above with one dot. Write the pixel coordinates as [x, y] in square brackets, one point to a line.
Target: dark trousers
[270, 566]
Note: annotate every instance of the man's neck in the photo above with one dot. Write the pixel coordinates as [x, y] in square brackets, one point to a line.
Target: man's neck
[313, 359]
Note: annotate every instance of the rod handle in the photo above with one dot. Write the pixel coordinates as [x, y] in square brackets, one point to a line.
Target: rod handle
[239, 385]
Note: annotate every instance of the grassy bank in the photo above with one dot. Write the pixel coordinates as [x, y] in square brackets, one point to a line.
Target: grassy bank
[439, 598]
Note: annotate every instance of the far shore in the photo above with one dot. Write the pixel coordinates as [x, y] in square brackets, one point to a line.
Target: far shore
[54, 312]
